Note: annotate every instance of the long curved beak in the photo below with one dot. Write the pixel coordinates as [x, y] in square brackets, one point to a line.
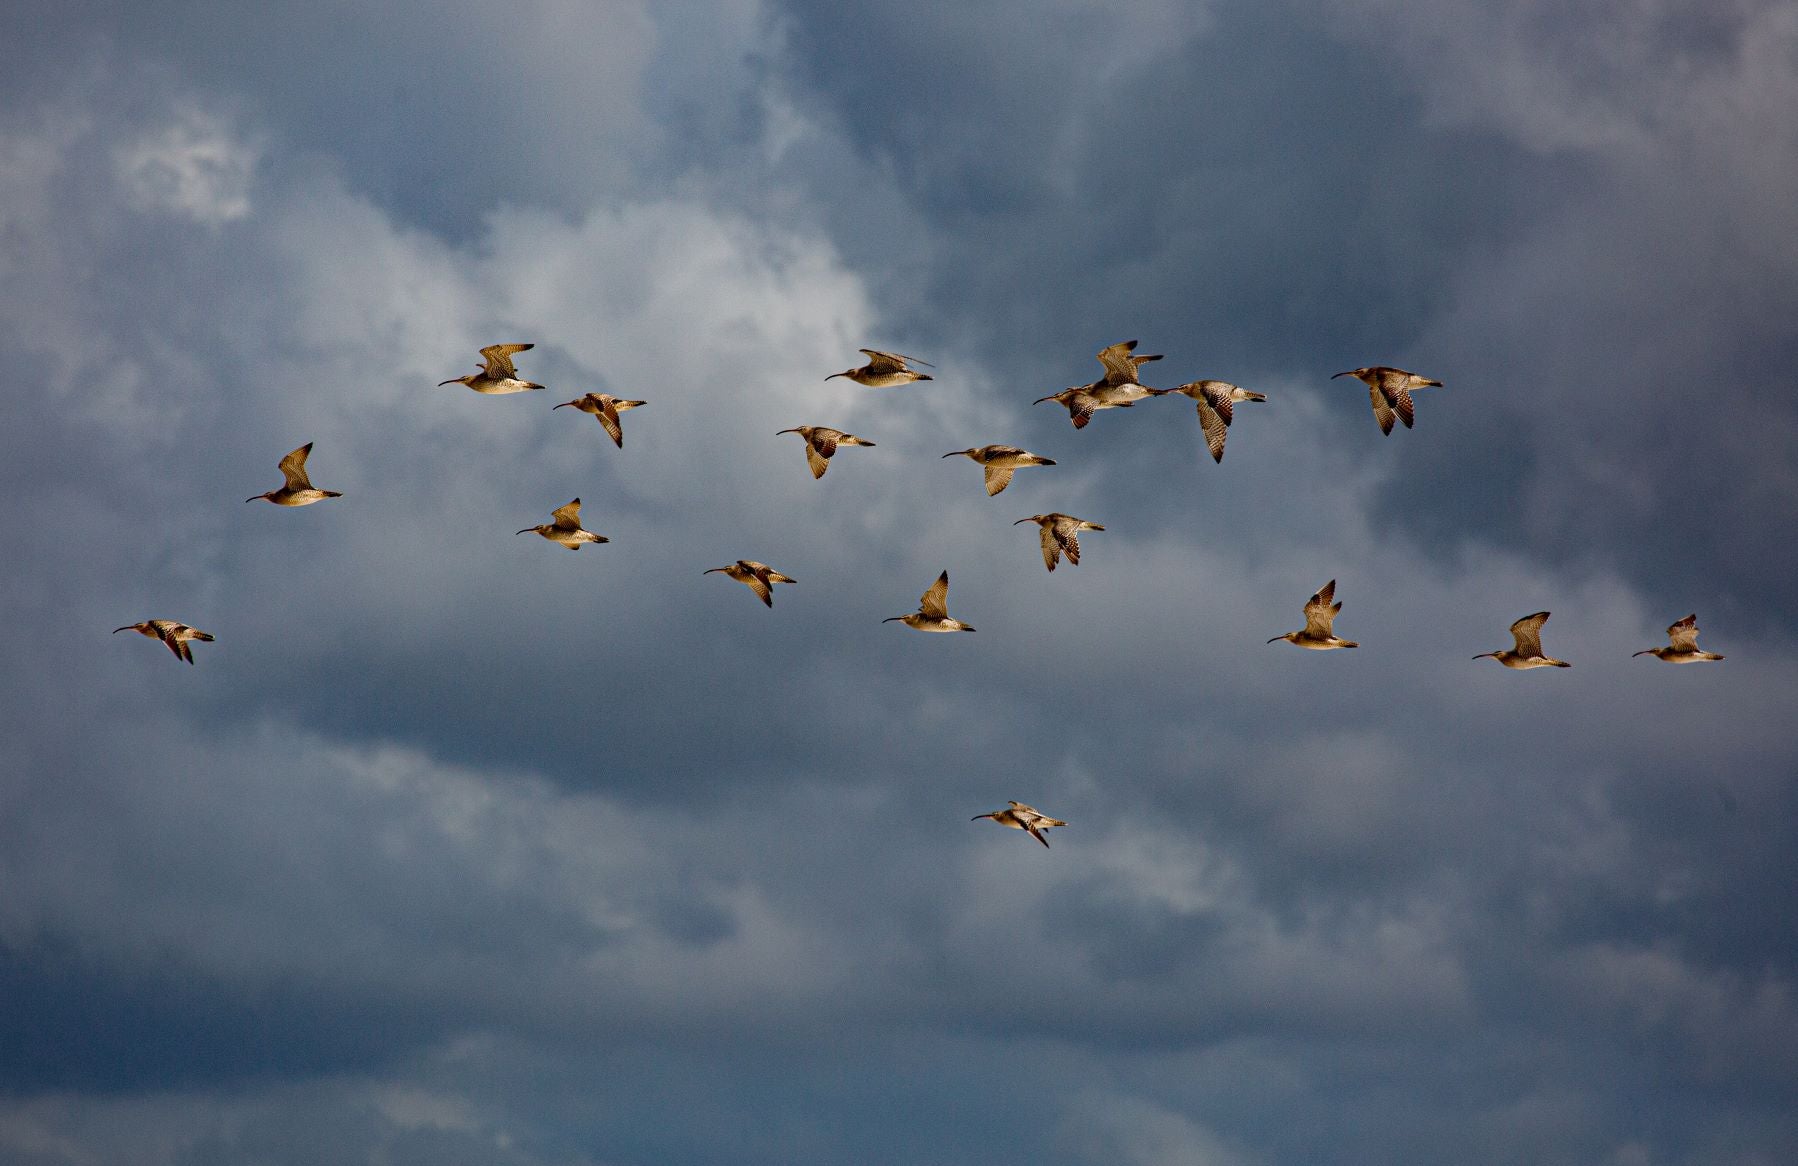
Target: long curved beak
[1643, 652]
[126, 628]
[1276, 639]
[833, 376]
[1482, 655]
[254, 499]
[977, 817]
[527, 530]
[713, 571]
[778, 432]
[564, 405]
[1022, 521]
[1349, 373]
[451, 381]
[1040, 400]
[891, 618]
[956, 453]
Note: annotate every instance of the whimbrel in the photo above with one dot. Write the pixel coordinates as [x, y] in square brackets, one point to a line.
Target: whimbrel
[1000, 461]
[567, 529]
[755, 576]
[1320, 619]
[1217, 406]
[297, 491]
[175, 635]
[1390, 391]
[1117, 389]
[1022, 817]
[497, 375]
[1683, 646]
[605, 407]
[933, 611]
[1060, 535]
[884, 370]
[1528, 653]
[821, 444]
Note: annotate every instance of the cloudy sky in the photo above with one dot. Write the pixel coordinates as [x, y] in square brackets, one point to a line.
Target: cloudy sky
[456, 848]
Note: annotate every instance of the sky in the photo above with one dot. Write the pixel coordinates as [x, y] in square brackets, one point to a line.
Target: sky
[456, 848]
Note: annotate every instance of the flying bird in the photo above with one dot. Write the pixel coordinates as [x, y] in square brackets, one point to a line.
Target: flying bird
[605, 408]
[175, 635]
[1117, 389]
[933, 611]
[884, 370]
[821, 444]
[1528, 652]
[1000, 461]
[497, 376]
[1216, 401]
[297, 490]
[567, 529]
[1390, 391]
[1022, 817]
[755, 576]
[1060, 535]
[1683, 646]
[1318, 633]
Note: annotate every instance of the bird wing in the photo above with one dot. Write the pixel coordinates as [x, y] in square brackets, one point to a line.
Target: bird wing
[879, 362]
[293, 468]
[568, 517]
[1035, 833]
[607, 416]
[935, 602]
[1528, 634]
[497, 359]
[1051, 546]
[757, 581]
[824, 441]
[1217, 395]
[1119, 368]
[1216, 426]
[1080, 408]
[997, 478]
[1401, 403]
[1684, 634]
[1320, 613]
[1067, 533]
[817, 460]
[1382, 412]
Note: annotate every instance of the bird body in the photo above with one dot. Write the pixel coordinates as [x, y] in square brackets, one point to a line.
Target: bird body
[821, 445]
[1060, 535]
[567, 530]
[1000, 461]
[1022, 817]
[933, 611]
[1117, 389]
[297, 490]
[758, 577]
[1319, 633]
[174, 634]
[497, 376]
[1216, 401]
[884, 370]
[605, 408]
[1682, 647]
[1389, 389]
[1527, 632]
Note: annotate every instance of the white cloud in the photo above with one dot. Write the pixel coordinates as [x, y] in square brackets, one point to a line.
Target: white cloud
[194, 165]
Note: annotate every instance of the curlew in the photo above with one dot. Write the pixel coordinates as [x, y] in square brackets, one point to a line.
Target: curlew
[567, 530]
[605, 408]
[1117, 389]
[1022, 817]
[174, 634]
[1318, 633]
[1682, 647]
[755, 576]
[1528, 652]
[1217, 407]
[1000, 461]
[821, 444]
[933, 611]
[298, 489]
[884, 370]
[1390, 391]
[497, 376]
[1060, 535]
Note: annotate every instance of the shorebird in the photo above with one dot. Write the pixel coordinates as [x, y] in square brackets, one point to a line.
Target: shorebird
[1683, 648]
[821, 444]
[567, 529]
[1320, 618]
[1117, 389]
[1022, 817]
[755, 576]
[884, 370]
[1528, 653]
[175, 635]
[1217, 405]
[497, 375]
[1061, 535]
[933, 611]
[298, 489]
[1000, 461]
[1390, 391]
[605, 407]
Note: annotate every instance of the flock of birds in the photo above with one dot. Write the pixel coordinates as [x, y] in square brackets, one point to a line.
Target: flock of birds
[1388, 389]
